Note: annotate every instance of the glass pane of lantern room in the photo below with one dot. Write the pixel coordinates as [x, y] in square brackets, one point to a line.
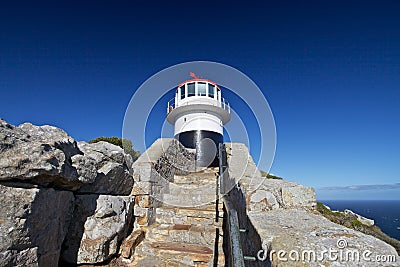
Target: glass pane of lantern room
[202, 89]
[191, 89]
[211, 90]
[182, 88]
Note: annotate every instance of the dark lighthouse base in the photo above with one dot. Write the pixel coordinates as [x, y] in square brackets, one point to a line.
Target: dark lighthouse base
[206, 144]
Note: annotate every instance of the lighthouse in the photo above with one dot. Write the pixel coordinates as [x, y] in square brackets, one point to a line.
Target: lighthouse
[198, 112]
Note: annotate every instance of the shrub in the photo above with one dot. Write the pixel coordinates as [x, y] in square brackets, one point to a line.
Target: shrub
[269, 176]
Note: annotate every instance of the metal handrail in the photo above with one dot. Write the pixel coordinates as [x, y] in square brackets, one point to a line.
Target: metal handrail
[235, 247]
[222, 104]
[236, 253]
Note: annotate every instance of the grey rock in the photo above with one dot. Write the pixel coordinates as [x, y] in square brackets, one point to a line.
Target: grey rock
[33, 225]
[102, 152]
[100, 224]
[360, 218]
[298, 231]
[113, 175]
[42, 153]
[48, 156]
[169, 157]
[262, 193]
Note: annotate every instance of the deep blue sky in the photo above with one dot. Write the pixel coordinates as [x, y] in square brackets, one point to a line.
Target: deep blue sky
[329, 69]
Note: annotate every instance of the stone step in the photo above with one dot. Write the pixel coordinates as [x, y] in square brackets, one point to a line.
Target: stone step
[165, 253]
[208, 212]
[191, 189]
[164, 230]
[199, 180]
[185, 248]
[173, 254]
[184, 216]
[188, 200]
[155, 248]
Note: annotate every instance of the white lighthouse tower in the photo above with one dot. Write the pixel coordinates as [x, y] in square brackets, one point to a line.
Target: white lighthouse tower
[198, 113]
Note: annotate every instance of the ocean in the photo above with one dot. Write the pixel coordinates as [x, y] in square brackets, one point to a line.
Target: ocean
[386, 213]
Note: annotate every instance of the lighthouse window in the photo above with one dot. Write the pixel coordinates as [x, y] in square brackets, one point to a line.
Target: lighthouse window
[202, 89]
[191, 89]
[182, 88]
[211, 90]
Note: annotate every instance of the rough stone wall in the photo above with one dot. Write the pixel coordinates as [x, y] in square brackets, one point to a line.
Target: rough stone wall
[176, 160]
[153, 172]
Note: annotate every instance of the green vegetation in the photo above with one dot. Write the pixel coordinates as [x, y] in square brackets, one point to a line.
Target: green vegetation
[351, 221]
[269, 176]
[121, 142]
[327, 212]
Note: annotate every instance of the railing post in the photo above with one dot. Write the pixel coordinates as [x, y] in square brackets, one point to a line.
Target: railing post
[221, 168]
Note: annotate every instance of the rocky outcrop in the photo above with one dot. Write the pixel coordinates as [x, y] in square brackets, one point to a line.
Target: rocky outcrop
[61, 197]
[361, 219]
[41, 154]
[33, 224]
[112, 165]
[99, 225]
[293, 236]
[263, 194]
[284, 229]
[48, 156]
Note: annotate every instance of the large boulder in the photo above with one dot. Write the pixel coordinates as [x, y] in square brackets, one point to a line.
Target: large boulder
[276, 193]
[100, 224]
[33, 225]
[39, 153]
[262, 193]
[113, 175]
[48, 156]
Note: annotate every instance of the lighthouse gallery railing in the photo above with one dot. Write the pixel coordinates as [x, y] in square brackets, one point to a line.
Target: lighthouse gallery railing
[224, 104]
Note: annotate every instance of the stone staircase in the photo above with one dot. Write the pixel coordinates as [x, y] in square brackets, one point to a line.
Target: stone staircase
[186, 231]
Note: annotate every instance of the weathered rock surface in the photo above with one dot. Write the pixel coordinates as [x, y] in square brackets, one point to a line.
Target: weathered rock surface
[261, 193]
[112, 164]
[48, 156]
[33, 224]
[360, 218]
[51, 185]
[39, 152]
[275, 193]
[281, 214]
[100, 223]
[154, 172]
[306, 239]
